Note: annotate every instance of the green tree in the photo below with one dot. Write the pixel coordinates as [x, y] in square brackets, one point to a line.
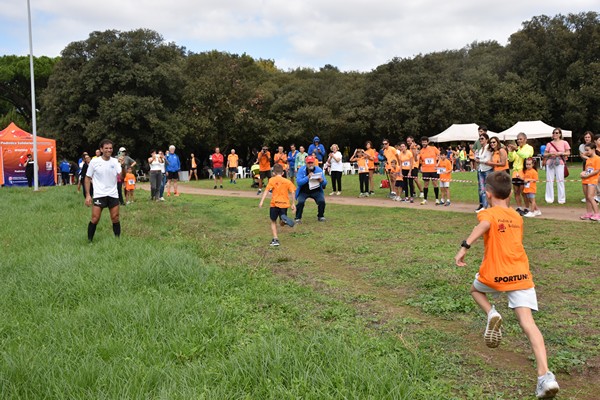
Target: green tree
[125, 86]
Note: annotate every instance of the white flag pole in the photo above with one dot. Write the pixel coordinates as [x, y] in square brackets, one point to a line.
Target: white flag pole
[33, 112]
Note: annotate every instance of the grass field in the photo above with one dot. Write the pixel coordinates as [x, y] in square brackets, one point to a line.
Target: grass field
[465, 191]
[192, 303]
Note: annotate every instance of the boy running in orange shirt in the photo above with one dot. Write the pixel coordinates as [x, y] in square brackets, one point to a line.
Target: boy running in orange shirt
[505, 268]
[444, 169]
[280, 201]
[589, 181]
[530, 178]
[129, 185]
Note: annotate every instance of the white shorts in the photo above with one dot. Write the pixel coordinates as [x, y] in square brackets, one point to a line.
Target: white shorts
[516, 298]
[444, 184]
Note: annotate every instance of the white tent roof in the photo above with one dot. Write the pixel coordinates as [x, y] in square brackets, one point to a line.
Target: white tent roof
[459, 133]
[533, 130]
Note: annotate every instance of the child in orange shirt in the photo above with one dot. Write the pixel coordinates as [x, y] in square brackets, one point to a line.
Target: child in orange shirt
[395, 172]
[589, 180]
[444, 169]
[505, 268]
[280, 201]
[530, 178]
[362, 160]
[129, 185]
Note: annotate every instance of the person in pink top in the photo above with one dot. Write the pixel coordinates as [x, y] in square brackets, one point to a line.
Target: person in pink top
[217, 160]
[555, 158]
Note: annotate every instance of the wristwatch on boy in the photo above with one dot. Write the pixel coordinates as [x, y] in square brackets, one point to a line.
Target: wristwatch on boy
[465, 245]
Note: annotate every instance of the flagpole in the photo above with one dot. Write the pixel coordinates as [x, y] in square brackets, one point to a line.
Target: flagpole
[33, 112]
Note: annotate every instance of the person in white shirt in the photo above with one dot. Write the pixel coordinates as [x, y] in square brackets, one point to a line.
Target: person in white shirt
[157, 164]
[336, 167]
[103, 171]
[482, 157]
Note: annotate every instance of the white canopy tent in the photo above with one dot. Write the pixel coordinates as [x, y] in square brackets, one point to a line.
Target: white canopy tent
[533, 130]
[459, 133]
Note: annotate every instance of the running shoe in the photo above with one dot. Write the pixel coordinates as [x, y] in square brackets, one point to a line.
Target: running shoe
[338, 193]
[321, 219]
[437, 202]
[595, 217]
[547, 387]
[162, 199]
[481, 208]
[530, 214]
[421, 195]
[493, 333]
[424, 202]
[538, 213]
[259, 192]
[297, 220]
[287, 220]
[583, 200]
[447, 203]
[332, 194]
[215, 187]
[412, 200]
[585, 216]
[274, 243]
[361, 195]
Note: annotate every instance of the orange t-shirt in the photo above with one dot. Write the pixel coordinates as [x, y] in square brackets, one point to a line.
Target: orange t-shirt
[232, 160]
[281, 158]
[129, 181]
[496, 159]
[591, 164]
[406, 159]
[530, 176]
[396, 172]
[505, 265]
[282, 188]
[373, 154]
[428, 158]
[444, 169]
[264, 161]
[363, 165]
[390, 154]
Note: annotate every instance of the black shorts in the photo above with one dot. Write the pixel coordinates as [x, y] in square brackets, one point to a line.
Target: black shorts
[265, 174]
[233, 170]
[518, 182]
[173, 175]
[276, 212]
[415, 173]
[104, 202]
[398, 183]
[427, 176]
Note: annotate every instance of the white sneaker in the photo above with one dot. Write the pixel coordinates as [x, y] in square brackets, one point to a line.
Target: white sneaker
[493, 333]
[530, 214]
[583, 200]
[421, 195]
[338, 193]
[162, 199]
[538, 213]
[424, 202]
[547, 387]
[332, 194]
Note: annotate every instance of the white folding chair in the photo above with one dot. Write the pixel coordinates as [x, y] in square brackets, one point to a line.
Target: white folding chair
[241, 172]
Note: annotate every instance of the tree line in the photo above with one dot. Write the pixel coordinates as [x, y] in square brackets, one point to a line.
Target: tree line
[144, 93]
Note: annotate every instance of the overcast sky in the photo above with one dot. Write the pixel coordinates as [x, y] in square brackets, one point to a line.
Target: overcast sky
[350, 34]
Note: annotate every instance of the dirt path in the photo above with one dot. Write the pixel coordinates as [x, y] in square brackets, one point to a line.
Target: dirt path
[386, 304]
[555, 213]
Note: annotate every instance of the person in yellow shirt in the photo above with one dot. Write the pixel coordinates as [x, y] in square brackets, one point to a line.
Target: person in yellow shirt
[280, 201]
[505, 269]
[444, 170]
[517, 154]
[232, 166]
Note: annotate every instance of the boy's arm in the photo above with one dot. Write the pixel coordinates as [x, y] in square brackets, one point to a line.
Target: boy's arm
[477, 232]
[262, 199]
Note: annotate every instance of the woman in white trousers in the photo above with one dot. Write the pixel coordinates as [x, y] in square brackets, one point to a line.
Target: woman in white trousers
[555, 155]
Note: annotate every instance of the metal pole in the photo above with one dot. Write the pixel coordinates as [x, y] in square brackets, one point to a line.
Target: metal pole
[33, 112]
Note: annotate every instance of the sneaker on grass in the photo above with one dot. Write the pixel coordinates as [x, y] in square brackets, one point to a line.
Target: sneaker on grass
[297, 220]
[547, 387]
[424, 202]
[493, 332]
[321, 219]
[274, 243]
[447, 203]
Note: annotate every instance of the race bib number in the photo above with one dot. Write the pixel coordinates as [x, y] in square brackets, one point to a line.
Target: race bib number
[131, 182]
[429, 161]
[441, 171]
[361, 169]
[406, 163]
[527, 184]
[589, 170]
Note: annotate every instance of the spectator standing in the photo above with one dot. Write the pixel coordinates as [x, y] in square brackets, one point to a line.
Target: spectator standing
[588, 137]
[499, 155]
[292, 162]
[406, 165]
[163, 181]
[311, 182]
[428, 158]
[173, 166]
[157, 163]
[483, 158]
[29, 170]
[84, 167]
[555, 158]
[193, 166]
[129, 186]
[233, 161]
[300, 158]
[517, 154]
[317, 149]
[65, 170]
[337, 169]
[264, 164]
[218, 161]
[373, 158]
[281, 158]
